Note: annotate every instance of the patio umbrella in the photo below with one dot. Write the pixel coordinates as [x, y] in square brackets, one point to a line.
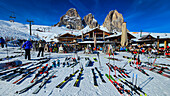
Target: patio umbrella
[124, 38]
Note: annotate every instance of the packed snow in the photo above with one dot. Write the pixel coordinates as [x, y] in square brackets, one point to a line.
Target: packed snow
[158, 86]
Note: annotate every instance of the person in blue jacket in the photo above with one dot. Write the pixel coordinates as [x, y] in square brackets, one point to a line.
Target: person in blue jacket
[27, 46]
[2, 42]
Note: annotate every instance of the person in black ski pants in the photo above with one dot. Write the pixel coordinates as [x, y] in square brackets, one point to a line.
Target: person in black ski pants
[2, 42]
[27, 46]
[41, 48]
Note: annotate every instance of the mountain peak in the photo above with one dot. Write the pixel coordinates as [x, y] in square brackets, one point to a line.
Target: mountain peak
[72, 12]
[113, 21]
[90, 21]
[71, 20]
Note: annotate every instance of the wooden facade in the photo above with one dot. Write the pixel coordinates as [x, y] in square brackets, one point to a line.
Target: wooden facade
[67, 38]
[100, 35]
[149, 39]
[117, 38]
[165, 41]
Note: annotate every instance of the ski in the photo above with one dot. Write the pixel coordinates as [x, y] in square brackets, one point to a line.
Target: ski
[140, 69]
[131, 86]
[44, 82]
[118, 86]
[15, 69]
[4, 72]
[129, 57]
[8, 68]
[15, 73]
[100, 75]
[109, 66]
[158, 72]
[122, 71]
[24, 76]
[78, 78]
[116, 68]
[41, 71]
[39, 59]
[34, 83]
[10, 57]
[21, 72]
[10, 64]
[94, 78]
[74, 64]
[113, 58]
[66, 79]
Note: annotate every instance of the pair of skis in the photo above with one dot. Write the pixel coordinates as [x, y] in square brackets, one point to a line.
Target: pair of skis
[60, 85]
[16, 72]
[94, 76]
[41, 71]
[34, 83]
[7, 58]
[131, 85]
[140, 69]
[118, 86]
[24, 76]
[121, 71]
[8, 68]
[158, 72]
[76, 84]
[44, 82]
[109, 67]
[27, 71]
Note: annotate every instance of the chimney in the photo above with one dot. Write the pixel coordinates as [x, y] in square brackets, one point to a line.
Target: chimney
[157, 42]
[141, 33]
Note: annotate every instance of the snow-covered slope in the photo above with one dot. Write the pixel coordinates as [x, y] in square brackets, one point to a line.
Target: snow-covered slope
[15, 30]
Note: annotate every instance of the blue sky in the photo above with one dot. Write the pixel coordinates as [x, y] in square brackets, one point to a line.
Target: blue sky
[146, 15]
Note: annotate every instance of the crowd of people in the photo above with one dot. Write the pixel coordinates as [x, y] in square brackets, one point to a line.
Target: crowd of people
[42, 46]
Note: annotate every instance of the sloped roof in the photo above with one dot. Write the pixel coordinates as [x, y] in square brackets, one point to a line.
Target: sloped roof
[145, 37]
[116, 34]
[66, 34]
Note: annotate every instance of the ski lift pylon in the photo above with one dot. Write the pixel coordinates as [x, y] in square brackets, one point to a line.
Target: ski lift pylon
[12, 17]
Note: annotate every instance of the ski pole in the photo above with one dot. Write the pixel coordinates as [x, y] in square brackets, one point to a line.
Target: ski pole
[132, 78]
[136, 80]
[109, 72]
[115, 72]
[154, 61]
[99, 61]
[7, 54]
[109, 58]
[114, 57]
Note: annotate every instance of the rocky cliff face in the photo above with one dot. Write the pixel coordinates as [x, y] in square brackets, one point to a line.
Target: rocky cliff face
[90, 21]
[113, 21]
[71, 20]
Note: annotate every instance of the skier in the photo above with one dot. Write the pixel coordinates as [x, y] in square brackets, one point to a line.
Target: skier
[41, 47]
[27, 46]
[2, 42]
